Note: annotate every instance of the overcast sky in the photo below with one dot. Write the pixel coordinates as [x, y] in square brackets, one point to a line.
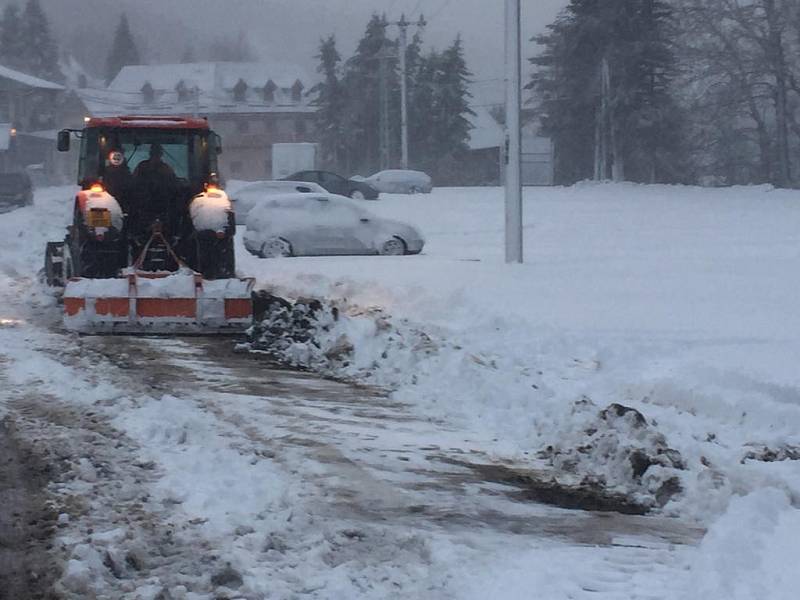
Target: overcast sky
[289, 30]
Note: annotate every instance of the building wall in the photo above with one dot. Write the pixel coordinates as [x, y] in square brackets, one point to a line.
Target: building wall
[247, 140]
[537, 160]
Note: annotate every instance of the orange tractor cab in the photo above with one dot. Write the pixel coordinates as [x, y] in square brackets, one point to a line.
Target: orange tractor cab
[151, 244]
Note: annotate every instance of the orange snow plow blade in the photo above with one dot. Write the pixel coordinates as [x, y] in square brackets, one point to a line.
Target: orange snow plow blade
[144, 302]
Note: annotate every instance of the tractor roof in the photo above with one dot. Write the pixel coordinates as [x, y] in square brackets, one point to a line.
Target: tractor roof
[139, 122]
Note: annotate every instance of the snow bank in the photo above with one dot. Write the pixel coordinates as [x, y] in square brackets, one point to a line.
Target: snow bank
[751, 551]
[677, 302]
[180, 284]
[210, 210]
[612, 449]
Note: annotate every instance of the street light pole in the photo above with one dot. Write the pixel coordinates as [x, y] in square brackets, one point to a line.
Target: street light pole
[513, 154]
[403, 25]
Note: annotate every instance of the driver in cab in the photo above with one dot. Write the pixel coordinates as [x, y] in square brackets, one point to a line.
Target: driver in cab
[154, 168]
[157, 187]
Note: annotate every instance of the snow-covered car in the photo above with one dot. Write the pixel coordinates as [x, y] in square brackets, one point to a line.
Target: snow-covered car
[400, 181]
[16, 190]
[250, 195]
[322, 225]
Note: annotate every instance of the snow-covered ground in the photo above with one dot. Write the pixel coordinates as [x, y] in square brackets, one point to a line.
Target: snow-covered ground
[679, 302]
[175, 459]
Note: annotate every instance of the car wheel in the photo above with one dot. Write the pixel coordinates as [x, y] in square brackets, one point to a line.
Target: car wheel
[393, 247]
[357, 195]
[276, 247]
[414, 190]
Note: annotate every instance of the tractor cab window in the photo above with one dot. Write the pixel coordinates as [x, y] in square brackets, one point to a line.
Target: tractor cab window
[185, 152]
[176, 156]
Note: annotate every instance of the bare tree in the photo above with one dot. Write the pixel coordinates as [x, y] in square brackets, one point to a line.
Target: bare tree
[743, 90]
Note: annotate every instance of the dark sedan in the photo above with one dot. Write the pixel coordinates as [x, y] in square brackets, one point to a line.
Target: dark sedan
[336, 184]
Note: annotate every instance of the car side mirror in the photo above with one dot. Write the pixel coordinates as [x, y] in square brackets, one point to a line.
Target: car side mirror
[63, 140]
[364, 220]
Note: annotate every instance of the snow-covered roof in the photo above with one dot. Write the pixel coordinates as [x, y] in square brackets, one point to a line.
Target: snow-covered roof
[75, 74]
[5, 136]
[208, 88]
[28, 80]
[486, 132]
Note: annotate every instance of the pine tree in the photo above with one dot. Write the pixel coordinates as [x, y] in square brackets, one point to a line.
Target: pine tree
[439, 106]
[418, 98]
[123, 51]
[605, 96]
[40, 52]
[362, 85]
[12, 40]
[453, 100]
[330, 101]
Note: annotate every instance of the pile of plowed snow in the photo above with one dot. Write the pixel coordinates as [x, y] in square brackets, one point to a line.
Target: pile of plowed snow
[612, 449]
[675, 302]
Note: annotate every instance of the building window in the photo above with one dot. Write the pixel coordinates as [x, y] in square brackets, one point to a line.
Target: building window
[183, 91]
[269, 92]
[285, 128]
[240, 91]
[148, 93]
[297, 92]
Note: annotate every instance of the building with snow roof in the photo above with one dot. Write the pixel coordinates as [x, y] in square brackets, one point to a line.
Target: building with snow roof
[251, 105]
[486, 142]
[30, 109]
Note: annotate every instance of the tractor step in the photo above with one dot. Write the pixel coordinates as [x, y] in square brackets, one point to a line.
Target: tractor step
[156, 303]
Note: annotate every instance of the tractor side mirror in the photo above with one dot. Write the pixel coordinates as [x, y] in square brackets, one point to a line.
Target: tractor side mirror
[217, 143]
[63, 140]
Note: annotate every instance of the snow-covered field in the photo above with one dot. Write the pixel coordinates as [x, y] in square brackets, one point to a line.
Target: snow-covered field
[677, 302]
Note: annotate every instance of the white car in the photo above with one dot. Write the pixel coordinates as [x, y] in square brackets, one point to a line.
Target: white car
[323, 225]
[250, 195]
[400, 181]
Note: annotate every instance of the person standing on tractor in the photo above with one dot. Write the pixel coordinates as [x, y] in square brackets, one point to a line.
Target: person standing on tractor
[154, 169]
[156, 182]
[117, 177]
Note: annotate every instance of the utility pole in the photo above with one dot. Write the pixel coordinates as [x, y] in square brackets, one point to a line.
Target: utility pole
[384, 55]
[196, 94]
[513, 133]
[402, 24]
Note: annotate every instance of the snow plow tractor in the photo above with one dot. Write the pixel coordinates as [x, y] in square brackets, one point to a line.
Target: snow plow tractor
[150, 248]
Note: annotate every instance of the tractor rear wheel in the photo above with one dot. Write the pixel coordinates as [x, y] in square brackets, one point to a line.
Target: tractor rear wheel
[216, 258]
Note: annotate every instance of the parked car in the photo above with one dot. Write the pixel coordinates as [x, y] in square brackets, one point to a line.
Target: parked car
[400, 181]
[336, 184]
[16, 190]
[324, 224]
[250, 195]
